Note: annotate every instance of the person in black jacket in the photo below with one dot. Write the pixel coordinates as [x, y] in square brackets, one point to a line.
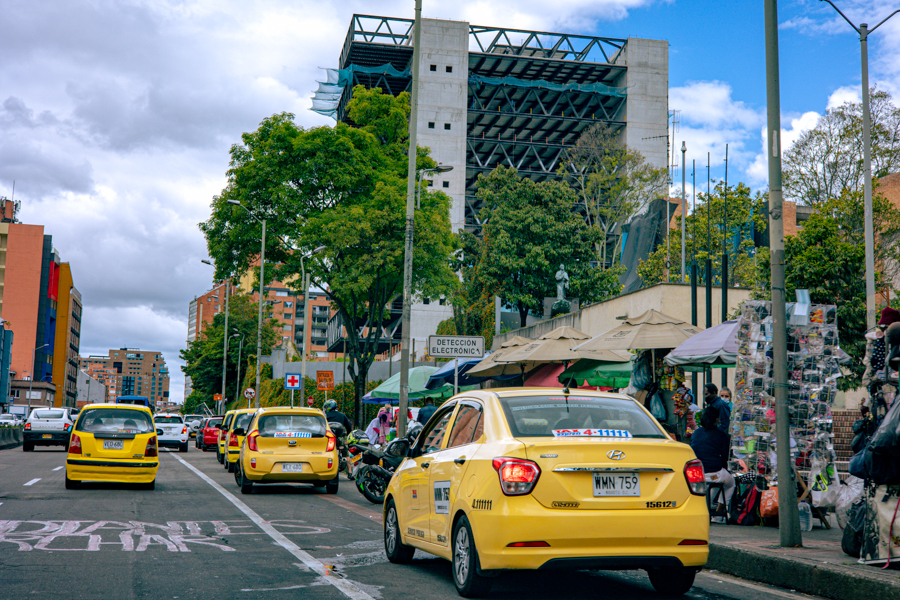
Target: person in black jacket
[333, 415]
[712, 446]
[426, 411]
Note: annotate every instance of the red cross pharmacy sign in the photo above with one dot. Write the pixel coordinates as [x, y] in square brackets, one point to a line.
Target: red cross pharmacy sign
[292, 381]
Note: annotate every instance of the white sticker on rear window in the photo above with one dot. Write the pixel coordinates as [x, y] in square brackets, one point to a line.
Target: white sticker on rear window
[292, 434]
[610, 433]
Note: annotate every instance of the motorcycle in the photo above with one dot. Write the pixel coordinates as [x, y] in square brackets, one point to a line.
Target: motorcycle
[357, 442]
[380, 464]
[340, 433]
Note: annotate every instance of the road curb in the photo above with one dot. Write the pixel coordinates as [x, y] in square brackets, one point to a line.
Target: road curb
[795, 573]
[10, 438]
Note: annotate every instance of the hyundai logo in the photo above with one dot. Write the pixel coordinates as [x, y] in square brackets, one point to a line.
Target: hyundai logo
[615, 455]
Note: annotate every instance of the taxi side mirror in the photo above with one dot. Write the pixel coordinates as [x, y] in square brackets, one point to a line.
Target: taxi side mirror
[239, 431]
[219, 426]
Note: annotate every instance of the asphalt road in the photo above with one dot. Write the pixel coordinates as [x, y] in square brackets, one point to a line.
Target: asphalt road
[197, 536]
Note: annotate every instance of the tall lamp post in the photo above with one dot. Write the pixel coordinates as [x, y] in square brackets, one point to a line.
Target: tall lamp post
[224, 342]
[306, 320]
[237, 385]
[262, 279]
[864, 31]
[407, 264]
[31, 381]
[683, 206]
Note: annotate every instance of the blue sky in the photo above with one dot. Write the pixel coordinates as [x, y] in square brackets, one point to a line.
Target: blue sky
[116, 116]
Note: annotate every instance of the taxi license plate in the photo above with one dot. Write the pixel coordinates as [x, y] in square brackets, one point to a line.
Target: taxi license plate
[291, 467]
[617, 484]
[113, 445]
[47, 436]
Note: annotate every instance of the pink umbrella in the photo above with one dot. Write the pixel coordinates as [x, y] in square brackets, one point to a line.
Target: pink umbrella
[548, 376]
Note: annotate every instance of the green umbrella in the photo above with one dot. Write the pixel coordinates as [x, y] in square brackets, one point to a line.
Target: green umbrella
[418, 377]
[599, 373]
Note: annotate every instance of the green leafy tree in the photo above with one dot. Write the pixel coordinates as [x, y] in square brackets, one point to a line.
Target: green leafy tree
[342, 188]
[704, 238]
[203, 356]
[828, 158]
[613, 183]
[530, 230]
[473, 297]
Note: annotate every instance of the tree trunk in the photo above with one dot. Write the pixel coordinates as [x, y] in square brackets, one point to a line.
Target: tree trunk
[523, 315]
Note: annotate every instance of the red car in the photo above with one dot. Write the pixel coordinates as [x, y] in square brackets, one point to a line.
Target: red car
[208, 435]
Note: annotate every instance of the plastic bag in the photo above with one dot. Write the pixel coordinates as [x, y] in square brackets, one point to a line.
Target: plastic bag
[823, 484]
[657, 408]
[642, 372]
[849, 492]
[768, 508]
[806, 518]
[886, 439]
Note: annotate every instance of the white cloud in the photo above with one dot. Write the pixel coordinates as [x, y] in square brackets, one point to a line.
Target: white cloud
[758, 171]
[844, 94]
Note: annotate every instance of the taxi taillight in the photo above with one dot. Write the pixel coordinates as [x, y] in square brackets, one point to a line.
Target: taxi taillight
[151, 449]
[251, 440]
[75, 444]
[517, 475]
[696, 478]
[232, 440]
[331, 441]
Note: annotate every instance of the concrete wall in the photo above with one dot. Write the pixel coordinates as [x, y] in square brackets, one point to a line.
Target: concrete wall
[647, 106]
[89, 390]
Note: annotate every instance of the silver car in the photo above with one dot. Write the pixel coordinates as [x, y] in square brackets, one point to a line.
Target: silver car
[10, 420]
[47, 427]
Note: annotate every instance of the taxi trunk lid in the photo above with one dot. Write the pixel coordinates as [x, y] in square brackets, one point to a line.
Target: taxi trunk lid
[603, 473]
[113, 445]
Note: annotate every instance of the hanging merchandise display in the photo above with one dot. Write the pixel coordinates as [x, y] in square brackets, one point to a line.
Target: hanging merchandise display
[813, 371]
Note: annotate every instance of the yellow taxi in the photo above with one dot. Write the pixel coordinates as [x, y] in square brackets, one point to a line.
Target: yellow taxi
[234, 438]
[223, 433]
[113, 442]
[534, 478]
[288, 445]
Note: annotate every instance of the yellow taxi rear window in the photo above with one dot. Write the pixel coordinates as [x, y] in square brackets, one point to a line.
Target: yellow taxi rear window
[577, 416]
[299, 426]
[114, 420]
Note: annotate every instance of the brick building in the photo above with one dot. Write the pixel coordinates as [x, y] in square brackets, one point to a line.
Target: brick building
[130, 372]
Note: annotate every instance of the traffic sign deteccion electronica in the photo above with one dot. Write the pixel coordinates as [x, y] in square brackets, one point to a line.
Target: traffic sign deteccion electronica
[456, 346]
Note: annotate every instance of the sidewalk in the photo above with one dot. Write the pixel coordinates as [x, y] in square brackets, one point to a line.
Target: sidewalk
[819, 568]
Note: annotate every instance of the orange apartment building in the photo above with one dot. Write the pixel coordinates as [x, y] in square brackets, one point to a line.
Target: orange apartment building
[68, 339]
[130, 372]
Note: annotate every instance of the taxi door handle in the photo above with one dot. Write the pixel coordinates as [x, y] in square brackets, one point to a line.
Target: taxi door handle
[459, 461]
[424, 465]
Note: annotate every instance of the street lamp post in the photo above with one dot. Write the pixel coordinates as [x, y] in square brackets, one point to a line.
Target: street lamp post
[683, 207]
[237, 385]
[408, 258]
[306, 320]
[864, 31]
[262, 279]
[31, 381]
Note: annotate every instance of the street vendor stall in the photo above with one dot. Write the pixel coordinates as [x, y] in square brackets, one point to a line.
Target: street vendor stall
[654, 334]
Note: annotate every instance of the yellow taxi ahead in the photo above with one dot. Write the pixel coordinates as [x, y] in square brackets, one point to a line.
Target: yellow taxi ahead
[234, 438]
[542, 479]
[287, 445]
[223, 434]
[113, 442]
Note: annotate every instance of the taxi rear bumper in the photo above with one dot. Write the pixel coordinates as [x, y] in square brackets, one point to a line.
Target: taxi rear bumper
[268, 467]
[594, 539]
[126, 471]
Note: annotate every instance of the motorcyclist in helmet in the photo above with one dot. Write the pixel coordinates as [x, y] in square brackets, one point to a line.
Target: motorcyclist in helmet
[332, 414]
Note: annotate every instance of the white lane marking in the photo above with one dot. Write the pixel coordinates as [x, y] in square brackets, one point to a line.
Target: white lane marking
[32, 482]
[345, 587]
[57, 468]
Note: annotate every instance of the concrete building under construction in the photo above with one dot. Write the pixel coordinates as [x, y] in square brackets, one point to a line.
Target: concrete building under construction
[491, 96]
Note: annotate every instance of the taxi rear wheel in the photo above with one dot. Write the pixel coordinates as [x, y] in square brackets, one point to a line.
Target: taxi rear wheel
[71, 484]
[148, 486]
[218, 454]
[672, 581]
[332, 486]
[468, 582]
[242, 482]
[396, 550]
[230, 467]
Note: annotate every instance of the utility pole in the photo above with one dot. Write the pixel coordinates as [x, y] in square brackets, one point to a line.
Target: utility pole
[869, 233]
[683, 206]
[225, 344]
[788, 515]
[262, 301]
[725, 260]
[410, 218]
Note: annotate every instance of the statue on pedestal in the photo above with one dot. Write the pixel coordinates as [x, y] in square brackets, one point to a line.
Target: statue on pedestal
[562, 282]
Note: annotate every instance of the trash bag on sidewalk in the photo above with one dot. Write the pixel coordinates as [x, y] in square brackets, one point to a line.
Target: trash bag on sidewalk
[824, 484]
[850, 492]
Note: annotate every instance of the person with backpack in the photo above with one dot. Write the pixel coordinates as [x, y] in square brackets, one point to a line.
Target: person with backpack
[712, 446]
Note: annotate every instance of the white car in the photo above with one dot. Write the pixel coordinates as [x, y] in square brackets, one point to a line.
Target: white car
[10, 420]
[174, 431]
